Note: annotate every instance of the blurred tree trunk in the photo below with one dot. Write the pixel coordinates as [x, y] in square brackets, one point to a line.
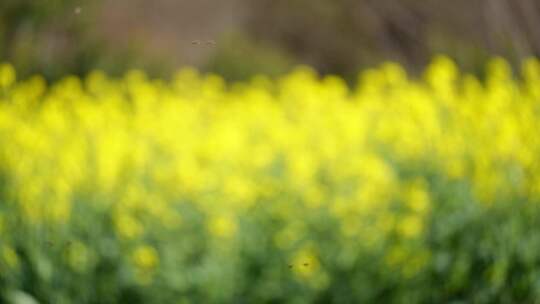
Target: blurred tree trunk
[342, 35]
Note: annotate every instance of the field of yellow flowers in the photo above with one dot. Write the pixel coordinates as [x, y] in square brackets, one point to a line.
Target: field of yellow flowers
[298, 189]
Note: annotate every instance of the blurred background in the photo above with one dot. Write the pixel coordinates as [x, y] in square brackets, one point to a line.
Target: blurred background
[239, 38]
[292, 188]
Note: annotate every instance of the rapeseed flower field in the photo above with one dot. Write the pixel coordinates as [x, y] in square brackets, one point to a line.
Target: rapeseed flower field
[298, 189]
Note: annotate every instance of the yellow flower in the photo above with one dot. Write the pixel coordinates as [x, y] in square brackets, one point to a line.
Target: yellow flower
[7, 75]
[410, 226]
[305, 263]
[127, 226]
[145, 257]
[239, 189]
[146, 260]
[313, 197]
[417, 198]
[222, 226]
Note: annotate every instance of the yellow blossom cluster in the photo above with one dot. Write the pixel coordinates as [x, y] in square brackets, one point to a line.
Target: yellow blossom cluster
[157, 156]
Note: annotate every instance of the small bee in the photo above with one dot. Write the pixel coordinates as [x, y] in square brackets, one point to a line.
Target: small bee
[306, 264]
[290, 266]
